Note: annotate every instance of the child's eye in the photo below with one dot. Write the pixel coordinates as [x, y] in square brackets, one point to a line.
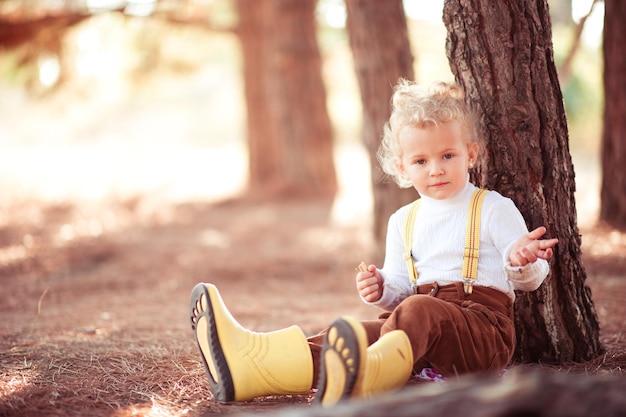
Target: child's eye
[420, 161]
[448, 156]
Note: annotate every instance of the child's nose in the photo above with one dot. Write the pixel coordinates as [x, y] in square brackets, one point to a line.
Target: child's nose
[436, 169]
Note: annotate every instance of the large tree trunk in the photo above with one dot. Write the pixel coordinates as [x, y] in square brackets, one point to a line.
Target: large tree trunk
[613, 189]
[289, 131]
[382, 55]
[501, 53]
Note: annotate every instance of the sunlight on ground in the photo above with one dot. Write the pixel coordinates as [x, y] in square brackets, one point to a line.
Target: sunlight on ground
[101, 171]
[19, 383]
[157, 409]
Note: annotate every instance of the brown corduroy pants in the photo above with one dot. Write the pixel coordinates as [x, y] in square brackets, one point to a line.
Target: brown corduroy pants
[450, 331]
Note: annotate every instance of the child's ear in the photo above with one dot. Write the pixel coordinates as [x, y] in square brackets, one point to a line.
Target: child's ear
[399, 166]
[472, 152]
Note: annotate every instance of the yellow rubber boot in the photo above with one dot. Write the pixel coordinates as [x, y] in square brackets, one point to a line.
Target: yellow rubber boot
[241, 364]
[388, 365]
[350, 369]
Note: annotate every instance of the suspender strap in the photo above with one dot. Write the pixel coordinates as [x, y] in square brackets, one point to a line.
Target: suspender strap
[409, 221]
[472, 240]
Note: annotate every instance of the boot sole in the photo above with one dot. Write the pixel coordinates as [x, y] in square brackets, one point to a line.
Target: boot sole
[342, 361]
[222, 383]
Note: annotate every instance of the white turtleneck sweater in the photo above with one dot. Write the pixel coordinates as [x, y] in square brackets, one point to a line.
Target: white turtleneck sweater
[438, 242]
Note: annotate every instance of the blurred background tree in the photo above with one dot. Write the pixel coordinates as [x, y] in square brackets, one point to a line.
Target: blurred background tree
[381, 49]
[613, 188]
[290, 137]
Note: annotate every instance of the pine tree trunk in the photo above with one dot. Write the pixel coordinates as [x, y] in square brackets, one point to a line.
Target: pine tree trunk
[613, 189]
[382, 55]
[289, 129]
[264, 149]
[501, 53]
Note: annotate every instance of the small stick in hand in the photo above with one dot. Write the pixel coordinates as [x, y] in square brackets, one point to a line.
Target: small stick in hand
[363, 267]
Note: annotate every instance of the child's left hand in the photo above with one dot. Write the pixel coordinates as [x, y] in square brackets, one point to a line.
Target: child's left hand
[369, 283]
[529, 248]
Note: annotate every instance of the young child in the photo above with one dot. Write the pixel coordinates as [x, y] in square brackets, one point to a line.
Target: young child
[446, 319]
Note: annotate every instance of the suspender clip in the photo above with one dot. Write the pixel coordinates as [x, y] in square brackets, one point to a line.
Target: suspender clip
[468, 286]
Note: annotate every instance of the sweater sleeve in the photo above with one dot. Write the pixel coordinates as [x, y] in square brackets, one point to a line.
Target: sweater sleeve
[528, 277]
[508, 226]
[396, 283]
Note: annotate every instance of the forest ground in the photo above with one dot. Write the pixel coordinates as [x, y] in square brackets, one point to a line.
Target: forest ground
[94, 303]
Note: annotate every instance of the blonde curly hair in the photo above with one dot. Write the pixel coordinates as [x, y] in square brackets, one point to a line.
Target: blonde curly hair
[422, 107]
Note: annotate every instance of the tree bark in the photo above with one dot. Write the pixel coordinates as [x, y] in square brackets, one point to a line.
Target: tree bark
[289, 130]
[264, 151]
[501, 53]
[613, 188]
[382, 55]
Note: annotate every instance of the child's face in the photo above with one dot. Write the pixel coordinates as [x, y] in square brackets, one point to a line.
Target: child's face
[436, 159]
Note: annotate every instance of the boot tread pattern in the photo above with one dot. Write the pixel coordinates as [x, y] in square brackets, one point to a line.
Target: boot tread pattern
[342, 342]
[222, 388]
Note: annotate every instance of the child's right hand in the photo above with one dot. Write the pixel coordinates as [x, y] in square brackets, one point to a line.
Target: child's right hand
[530, 247]
[369, 283]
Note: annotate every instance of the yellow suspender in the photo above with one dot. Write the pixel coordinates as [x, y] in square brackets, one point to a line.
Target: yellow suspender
[472, 240]
[409, 221]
